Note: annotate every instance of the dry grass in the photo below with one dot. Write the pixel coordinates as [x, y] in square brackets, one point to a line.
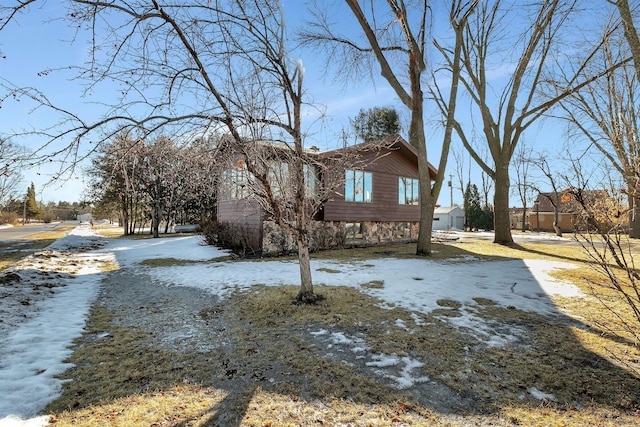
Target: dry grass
[180, 405]
[109, 231]
[13, 251]
[273, 368]
[57, 233]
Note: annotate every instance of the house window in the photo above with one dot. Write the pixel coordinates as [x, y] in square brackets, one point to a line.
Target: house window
[278, 178]
[281, 182]
[310, 180]
[235, 184]
[358, 186]
[408, 191]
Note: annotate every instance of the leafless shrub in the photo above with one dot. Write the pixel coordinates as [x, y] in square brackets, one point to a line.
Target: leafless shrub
[616, 284]
[233, 236]
[8, 217]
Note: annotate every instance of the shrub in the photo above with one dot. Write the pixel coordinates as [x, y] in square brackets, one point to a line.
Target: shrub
[8, 217]
[226, 235]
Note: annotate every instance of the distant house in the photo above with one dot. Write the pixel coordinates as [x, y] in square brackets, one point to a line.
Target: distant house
[542, 215]
[517, 215]
[86, 217]
[448, 218]
[378, 202]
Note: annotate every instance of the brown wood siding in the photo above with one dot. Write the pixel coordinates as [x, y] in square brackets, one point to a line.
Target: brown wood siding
[384, 206]
[244, 213]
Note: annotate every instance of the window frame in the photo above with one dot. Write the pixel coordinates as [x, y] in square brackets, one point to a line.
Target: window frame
[235, 184]
[358, 186]
[408, 191]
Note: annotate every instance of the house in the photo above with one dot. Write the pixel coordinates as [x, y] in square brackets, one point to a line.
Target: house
[517, 215]
[376, 201]
[542, 215]
[448, 218]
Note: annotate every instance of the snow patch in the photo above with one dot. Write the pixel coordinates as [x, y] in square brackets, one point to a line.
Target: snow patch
[541, 395]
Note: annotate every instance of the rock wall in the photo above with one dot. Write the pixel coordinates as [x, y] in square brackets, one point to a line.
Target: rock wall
[336, 234]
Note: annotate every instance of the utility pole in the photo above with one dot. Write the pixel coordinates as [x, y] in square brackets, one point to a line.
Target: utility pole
[24, 211]
[451, 190]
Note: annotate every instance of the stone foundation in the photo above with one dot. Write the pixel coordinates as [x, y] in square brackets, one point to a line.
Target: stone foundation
[336, 234]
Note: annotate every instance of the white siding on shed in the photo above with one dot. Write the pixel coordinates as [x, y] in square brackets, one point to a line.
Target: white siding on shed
[448, 218]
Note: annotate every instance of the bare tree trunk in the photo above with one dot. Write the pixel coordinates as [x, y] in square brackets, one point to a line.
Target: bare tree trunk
[156, 215]
[556, 220]
[306, 294]
[417, 139]
[634, 218]
[630, 33]
[524, 218]
[125, 217]
[502, 224]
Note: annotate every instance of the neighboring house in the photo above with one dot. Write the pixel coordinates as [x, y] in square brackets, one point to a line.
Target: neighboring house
[448, 218]
[378, 202]
[541, 216]
[516, 216]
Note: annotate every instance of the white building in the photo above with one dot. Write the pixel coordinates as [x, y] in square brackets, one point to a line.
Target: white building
[448, 218]
[87, 217]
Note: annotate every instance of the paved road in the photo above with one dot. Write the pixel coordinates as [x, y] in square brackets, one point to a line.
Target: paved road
[24, 231]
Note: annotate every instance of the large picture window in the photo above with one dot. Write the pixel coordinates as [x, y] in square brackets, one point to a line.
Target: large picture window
[358, 186]
[310, 180]
[408, 191]
[235, 184]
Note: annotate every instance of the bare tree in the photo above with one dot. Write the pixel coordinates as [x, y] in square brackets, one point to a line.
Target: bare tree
[461, 180]
[11, 159]
[505, 122]
[396, 41]
[158, 158]
[186, 70]
[524, 184]
[616, 284]
[115, 178]
[630, 31]
[555, 197]
[606, 115]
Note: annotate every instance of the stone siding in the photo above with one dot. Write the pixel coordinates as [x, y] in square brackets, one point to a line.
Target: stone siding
[337, 234]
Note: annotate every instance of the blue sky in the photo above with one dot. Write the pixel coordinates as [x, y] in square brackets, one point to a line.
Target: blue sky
[38, 41]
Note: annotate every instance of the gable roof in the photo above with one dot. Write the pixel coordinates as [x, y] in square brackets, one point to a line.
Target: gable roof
[393, 143]
[447, 209]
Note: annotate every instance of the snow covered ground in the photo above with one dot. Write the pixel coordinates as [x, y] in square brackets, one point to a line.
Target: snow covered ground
[39, 326]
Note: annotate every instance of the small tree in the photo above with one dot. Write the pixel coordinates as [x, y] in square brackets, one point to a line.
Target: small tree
[524, 183]
[31, 208]
[187, 71]
[472, 207]
[376, 123]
